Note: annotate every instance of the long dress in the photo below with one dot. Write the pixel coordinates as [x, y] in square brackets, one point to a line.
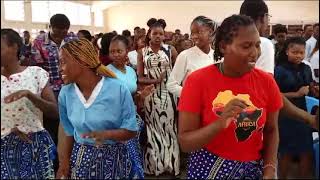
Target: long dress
[162, 149]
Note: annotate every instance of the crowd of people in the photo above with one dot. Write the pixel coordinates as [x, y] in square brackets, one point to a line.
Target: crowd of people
[129, 106]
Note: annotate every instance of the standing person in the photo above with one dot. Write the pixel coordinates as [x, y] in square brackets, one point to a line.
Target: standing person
[27, 150]
[293, 78]
[307, 31]
[104, 51]
[230, 127]
[97, 114]
[259, 12]
[138, 43]
[280, 32]
[311, 42]
[203, 30]
[45, 53]
[25, 52]
[154, 67]
[84, 34]
[136, 30]
[118, 53]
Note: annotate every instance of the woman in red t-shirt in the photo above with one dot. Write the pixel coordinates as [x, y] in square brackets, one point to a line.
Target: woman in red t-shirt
[229, 111]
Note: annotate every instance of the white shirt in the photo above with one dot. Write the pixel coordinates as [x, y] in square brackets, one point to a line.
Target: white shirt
[133, 56]
[310, 44]
[266, 60]
[22, 114]
[187, 61]
[314, 61]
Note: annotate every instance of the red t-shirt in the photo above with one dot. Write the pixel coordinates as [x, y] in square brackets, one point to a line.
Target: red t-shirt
[207, 91]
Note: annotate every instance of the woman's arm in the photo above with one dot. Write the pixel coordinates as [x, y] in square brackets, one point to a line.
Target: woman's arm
[192, 137]
[46, 103]
[270, 145]
[140, 71]
[65, 147]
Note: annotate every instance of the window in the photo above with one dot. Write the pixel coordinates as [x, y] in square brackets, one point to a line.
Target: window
[14, 10]
[78, 14]
[40, 11]
[98, 18]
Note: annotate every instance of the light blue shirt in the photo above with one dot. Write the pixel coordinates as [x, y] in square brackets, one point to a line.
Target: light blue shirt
[129, 78]
[111, 107]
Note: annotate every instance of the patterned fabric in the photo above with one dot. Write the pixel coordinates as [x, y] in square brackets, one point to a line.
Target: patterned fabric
[162, 149]
[45, 53]
[103, 162]
[25, 52]
[135, 152]
[22, 113]
[24, 160]
[205, 165]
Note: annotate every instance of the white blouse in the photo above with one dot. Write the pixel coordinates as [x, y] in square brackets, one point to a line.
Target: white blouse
[187, 61]
[22, 114]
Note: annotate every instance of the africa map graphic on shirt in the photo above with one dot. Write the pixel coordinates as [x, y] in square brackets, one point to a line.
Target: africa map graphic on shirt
[247, 121]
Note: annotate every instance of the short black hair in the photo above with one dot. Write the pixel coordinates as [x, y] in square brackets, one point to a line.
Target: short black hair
[42, 31]
[283, 57]
[122, 39]
[136, 28]
[26, 32]
[12, 37]
[126, 33]
[316, 24]
[306, 26]
[105, 43]
[228, 30]
[254, 8]
[60, 21]
[279, 28]
[86, 34]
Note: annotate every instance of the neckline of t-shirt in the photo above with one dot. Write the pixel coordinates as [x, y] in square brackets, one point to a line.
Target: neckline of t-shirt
[18, 73]
[93, 96]
[232, 78]
[119, 70]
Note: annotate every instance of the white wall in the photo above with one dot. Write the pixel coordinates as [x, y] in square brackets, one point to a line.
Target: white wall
[179, 14]
[27, 24]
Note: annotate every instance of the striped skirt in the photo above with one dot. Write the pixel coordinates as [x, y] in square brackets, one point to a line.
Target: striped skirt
[110, 161]
[205, 165]
[27, 160]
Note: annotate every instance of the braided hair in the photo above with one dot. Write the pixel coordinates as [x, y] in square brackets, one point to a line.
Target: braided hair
[154, 23]
[283, 57]
[83, 52]
[205, 21]
[228, 30]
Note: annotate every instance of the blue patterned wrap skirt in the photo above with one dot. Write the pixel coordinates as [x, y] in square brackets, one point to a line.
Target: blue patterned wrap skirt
[205, 165]
[28, 160]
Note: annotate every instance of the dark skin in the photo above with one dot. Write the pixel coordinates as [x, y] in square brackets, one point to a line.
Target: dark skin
[239, 58]
[118, 52]
[288, 108]
[201, 36]
[57, 34]
[296, 53]
[157, 37]
[73, 72]
[9, 66]
[308, 32]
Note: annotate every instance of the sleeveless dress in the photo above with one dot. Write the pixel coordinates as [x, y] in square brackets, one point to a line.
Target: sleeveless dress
[162, 149]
